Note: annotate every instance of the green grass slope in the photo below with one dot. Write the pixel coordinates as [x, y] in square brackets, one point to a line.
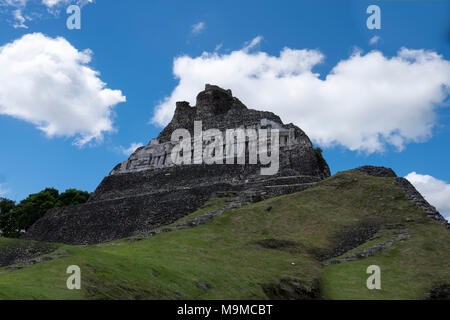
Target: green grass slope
[271, 249]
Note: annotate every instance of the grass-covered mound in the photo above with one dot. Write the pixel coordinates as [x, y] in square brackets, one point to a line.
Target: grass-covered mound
[279, 248]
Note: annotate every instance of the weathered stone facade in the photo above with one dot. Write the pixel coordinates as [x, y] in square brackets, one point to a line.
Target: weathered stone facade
[218, 109]
[148, 191]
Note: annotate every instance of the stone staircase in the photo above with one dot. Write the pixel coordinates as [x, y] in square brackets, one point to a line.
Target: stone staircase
[246, 194]
[259, 190]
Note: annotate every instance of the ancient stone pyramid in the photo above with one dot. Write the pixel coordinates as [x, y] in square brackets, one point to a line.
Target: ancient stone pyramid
[148, 190]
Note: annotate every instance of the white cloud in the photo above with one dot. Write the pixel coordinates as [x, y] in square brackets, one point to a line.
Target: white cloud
[198, 28]
[13, 3]
[53, 3]
[47, 3]
[365, 103]
[47, 82]
[436, 192]
[218, 47]
[17, 8]
[20, 19]
[252, 44]
[131, 149]
[3, 191]
[374, 40]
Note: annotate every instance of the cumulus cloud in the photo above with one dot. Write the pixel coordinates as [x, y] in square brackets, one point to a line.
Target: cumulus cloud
[436, 192]
[367, 101]
[374, 40]
[47, 82]
[198, 28]
[131, 149]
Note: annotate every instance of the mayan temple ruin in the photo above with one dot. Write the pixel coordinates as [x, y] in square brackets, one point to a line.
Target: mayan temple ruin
[148, 190]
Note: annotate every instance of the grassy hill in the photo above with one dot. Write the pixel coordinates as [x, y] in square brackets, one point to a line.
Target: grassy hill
[295, 246]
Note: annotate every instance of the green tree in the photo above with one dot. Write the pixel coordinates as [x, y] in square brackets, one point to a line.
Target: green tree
[72, 197]
[28, 211]
[7, 223]
[15, 219]
[6, 206]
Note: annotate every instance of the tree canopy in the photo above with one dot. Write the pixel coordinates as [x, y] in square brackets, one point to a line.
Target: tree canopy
[17, 218]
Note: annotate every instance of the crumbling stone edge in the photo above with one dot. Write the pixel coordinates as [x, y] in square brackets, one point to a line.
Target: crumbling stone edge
[371, 251]
[413, 195]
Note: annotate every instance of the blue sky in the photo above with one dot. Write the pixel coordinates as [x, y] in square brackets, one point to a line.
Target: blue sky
[133, 46]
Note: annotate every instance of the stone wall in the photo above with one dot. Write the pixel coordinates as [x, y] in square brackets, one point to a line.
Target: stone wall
[102, 221]
[413, 195]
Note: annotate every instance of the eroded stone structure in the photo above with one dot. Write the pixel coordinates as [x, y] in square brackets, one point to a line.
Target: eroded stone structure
[148, 190]
[217, 109]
